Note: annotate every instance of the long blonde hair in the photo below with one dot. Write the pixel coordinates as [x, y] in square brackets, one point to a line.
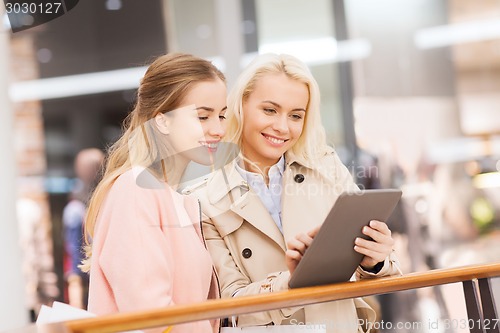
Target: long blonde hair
[164, 85]
[312, 143]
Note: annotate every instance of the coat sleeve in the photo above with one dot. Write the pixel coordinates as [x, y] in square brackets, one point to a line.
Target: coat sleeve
[391, 267]
[135, 257]
[234, 283]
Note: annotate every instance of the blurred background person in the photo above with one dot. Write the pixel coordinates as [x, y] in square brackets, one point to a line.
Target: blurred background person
[88, 169]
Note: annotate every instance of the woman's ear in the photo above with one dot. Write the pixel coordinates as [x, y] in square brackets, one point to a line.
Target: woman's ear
[162, 122]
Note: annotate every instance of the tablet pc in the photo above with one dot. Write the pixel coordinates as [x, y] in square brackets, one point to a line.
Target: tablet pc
[331, 257]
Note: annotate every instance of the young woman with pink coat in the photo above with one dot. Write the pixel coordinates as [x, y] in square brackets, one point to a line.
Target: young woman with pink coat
[145, 244]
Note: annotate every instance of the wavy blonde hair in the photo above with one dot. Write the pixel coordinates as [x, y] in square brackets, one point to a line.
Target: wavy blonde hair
[311, 145]
[162, 89]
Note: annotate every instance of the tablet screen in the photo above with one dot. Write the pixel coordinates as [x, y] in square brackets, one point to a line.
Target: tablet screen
[331, 257]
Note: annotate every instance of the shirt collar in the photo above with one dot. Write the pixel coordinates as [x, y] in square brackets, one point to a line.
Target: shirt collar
[280, 166]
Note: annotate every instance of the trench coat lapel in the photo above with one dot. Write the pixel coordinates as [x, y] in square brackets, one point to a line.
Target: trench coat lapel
[250, 207]
[297, 212]
[227, 183]
[302, 207]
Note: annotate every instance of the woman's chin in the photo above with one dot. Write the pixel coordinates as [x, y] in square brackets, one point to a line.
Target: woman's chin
[205, 159]
[274, 155]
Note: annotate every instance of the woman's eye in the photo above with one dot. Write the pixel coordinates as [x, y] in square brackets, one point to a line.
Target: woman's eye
[269, 110]
[222, 117]
[202, 118]
[296, 116]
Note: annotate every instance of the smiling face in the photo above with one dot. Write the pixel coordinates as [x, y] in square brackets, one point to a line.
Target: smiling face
[195, 129]
[274, 115]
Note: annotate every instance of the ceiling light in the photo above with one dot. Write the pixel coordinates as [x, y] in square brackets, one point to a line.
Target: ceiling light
[487, 180]
[457, 33]
[321, 50]
[114, 4]
[74, 85]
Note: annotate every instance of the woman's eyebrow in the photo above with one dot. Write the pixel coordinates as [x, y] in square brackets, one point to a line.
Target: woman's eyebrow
[206, 108]
[279, 106]
[209, 109]
[273, 103]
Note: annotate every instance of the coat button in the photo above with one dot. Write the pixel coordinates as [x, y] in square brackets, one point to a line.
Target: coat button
[247, 253]
[299, 178]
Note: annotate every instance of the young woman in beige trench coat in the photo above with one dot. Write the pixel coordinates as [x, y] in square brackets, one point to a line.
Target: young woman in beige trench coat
[262, 205]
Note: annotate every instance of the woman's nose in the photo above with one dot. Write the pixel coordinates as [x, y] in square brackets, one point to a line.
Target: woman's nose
[281, 124]
[217, 128]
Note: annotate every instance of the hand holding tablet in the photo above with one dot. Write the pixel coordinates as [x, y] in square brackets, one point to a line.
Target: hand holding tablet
[353, 221]
[376, 249]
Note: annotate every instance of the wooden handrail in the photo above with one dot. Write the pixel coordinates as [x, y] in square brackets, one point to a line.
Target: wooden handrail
[296, 297]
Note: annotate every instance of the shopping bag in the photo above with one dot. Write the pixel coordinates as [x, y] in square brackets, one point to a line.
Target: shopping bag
[276, 329]
[62, 312]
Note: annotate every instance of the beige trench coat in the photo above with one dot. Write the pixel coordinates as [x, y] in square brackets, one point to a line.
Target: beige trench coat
[248, 249]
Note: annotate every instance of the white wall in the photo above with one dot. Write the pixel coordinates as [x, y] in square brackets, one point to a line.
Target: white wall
[13, 312]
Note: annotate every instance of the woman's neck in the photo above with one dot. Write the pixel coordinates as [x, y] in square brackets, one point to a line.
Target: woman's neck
[173, 171]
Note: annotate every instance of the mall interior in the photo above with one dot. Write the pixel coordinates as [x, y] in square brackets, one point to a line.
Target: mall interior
[410, 99]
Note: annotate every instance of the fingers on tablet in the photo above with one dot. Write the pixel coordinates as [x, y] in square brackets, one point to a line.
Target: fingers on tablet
[380, 226]
[313, 232]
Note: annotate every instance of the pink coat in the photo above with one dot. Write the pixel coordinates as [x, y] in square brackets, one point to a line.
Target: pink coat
[148, 252]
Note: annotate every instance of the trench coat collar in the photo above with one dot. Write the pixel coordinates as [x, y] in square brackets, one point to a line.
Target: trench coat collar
[224, 180]
[243, 202]
[292, 158]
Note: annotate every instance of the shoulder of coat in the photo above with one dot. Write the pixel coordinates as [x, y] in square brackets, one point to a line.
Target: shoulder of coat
[329, 163]
[328, 158]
